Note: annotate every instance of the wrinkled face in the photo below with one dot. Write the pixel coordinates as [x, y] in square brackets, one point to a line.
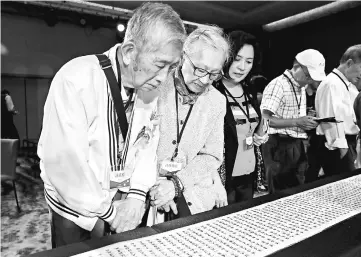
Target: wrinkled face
[353, 71]
[205, 59]
[242, 64]
[301, 75]
[151, 69]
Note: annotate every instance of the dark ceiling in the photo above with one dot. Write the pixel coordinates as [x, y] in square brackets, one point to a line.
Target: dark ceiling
[230, 14]
[226, 14]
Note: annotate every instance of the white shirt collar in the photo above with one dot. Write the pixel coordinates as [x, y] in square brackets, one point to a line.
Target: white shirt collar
[342, 77]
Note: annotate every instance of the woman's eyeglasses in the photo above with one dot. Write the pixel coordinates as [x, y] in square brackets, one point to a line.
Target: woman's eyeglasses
[199, 72]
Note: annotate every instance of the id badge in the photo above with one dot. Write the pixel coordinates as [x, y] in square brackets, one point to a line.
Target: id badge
[118, 176]
[169, 166]
[248, 142]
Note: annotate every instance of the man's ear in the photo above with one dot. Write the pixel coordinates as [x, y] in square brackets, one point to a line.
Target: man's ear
[129, 51]
[349, 63]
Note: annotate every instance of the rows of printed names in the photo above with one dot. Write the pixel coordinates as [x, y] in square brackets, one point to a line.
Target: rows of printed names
[258, 231]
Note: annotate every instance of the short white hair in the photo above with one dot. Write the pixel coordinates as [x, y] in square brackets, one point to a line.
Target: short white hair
[212, 36]
[150, 17]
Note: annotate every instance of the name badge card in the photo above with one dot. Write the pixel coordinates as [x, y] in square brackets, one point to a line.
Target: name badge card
[169, 166]
[248, 141]
[118, 176]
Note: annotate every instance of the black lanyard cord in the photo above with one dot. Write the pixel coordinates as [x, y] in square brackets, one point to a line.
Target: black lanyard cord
[237, 103]
[294, 92]
[179, 135]
[341, 79]
[120, 161]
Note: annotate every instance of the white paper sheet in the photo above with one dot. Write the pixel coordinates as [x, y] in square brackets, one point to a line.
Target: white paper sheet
[258, 231]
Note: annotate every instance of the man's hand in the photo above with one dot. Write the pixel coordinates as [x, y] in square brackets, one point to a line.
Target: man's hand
[129, 214]
[343, 152]
[306, 123]
[162, 192]
[169, 206]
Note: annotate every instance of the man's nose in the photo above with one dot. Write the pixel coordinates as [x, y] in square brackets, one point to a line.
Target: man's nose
[162, 75]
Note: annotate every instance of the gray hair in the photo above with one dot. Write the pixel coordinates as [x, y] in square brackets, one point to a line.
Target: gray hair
[148, 21]
[353, 52]
[212, 36]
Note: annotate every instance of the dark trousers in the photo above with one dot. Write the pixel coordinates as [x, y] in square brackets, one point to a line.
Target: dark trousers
[332, 163]
[64, 231]
[285, 162]
[315, 145]
[241, 188]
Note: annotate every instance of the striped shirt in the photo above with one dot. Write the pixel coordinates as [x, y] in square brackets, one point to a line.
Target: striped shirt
[284, 97]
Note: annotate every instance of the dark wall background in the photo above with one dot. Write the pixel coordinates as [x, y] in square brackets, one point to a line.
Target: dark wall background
[330, 35]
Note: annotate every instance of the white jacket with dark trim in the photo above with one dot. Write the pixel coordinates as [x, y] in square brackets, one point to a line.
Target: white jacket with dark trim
[78, 143]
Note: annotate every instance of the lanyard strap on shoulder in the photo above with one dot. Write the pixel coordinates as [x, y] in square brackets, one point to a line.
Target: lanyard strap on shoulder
[116, 94]
[180, 133]
[294, 92]
[240, 107]
[341, 80]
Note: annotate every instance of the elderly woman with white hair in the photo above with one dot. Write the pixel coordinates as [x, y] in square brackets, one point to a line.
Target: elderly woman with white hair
[191, 128]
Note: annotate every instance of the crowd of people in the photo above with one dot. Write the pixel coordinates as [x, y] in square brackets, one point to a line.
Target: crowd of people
[166, 125]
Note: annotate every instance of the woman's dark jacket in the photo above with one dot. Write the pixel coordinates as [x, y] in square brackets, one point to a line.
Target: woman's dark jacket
[230, 132]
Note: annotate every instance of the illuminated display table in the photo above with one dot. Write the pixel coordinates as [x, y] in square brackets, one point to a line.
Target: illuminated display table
[324, 220]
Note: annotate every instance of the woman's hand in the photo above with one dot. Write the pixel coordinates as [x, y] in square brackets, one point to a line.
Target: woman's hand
[220, 191]
[170, 206]
[258, 140]
[162, 192]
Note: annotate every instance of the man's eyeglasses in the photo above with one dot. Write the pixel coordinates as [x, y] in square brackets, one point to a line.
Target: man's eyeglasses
[199, 72]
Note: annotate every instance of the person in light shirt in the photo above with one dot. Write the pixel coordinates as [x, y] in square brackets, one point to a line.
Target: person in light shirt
[335, 98]
[284, 104]
[81, 147]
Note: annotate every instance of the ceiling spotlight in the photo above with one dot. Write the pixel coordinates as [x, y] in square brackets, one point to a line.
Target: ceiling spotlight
[83, 21]
[120, 27]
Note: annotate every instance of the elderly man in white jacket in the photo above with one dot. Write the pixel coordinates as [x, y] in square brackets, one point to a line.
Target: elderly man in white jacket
[80, 146]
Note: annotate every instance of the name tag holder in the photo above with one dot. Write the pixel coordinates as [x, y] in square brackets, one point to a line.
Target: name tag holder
[248, 141]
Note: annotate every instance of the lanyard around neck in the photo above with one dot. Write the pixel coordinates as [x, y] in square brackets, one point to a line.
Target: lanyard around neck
[237, 103]
[341, 80]
[180, 134]
[121, 159]
[294, 93]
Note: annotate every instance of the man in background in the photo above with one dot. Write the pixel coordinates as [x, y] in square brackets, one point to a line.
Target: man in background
[335, 97]
[284, 105]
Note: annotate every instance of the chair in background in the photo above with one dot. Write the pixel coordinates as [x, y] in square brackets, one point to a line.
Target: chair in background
[9, 153]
